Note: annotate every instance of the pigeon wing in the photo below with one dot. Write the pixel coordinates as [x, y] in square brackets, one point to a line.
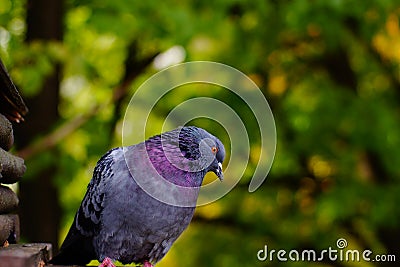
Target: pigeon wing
[87, 219]
[77, 247]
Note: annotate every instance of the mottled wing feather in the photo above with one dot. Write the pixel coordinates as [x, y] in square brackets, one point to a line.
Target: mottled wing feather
[88, 216]
[77, 247]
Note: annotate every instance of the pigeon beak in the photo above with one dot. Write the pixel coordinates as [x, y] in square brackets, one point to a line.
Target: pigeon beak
[219, 172]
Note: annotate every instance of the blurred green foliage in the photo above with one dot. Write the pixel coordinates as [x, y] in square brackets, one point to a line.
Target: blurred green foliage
[329, 69]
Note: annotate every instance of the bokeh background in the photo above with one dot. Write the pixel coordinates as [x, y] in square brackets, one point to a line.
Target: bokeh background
[329, 69]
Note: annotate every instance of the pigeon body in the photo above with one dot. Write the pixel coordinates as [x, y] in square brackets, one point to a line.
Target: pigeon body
[120, 220]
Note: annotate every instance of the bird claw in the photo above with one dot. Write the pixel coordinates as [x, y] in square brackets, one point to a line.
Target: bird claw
[107, 262]
[147, 264]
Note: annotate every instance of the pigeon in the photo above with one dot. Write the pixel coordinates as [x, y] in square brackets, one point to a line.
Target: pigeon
[141, 198]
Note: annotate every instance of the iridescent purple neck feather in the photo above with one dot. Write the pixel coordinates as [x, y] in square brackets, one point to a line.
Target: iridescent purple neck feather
[177, 157]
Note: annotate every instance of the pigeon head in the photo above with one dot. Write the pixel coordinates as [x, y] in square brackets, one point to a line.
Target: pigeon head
[184, 155]
[197, 144]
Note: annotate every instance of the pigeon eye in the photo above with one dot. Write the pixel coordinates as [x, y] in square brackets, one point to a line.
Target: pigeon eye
[214, 150]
